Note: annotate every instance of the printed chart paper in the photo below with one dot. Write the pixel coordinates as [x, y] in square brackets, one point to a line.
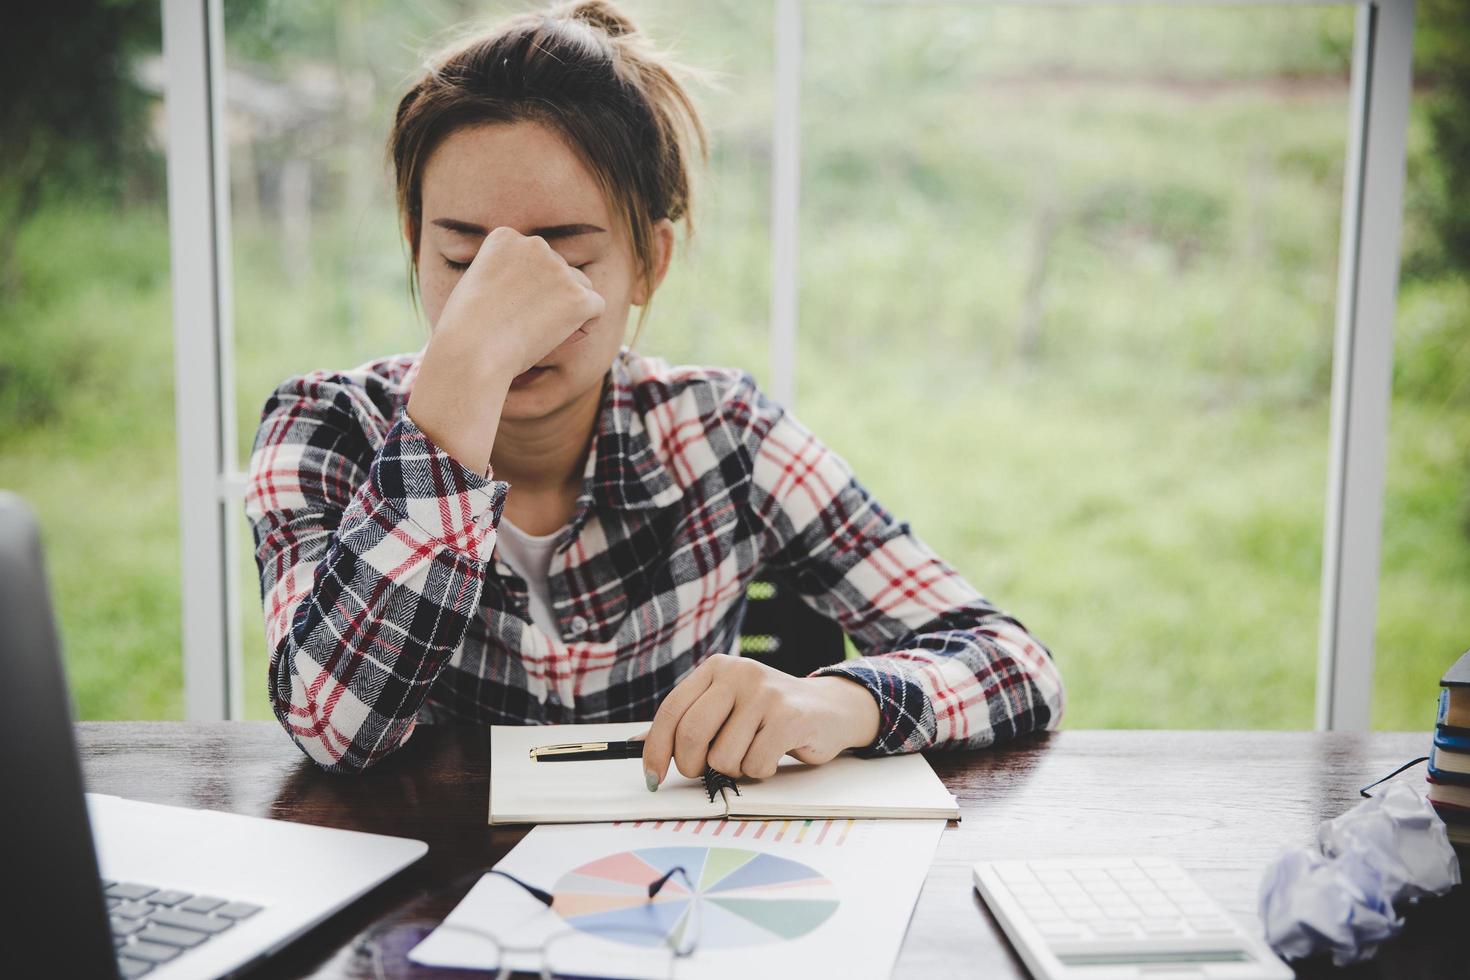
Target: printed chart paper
[793, 897]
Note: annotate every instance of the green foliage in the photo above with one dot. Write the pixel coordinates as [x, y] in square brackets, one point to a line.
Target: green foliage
[1437, 196]
[90, 324]
[1445, 58]
[72, 117]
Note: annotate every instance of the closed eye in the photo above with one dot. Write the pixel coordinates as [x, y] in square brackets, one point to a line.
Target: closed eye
[461, 266]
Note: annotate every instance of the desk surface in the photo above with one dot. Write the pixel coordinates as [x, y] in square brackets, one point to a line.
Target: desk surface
[1222, 803]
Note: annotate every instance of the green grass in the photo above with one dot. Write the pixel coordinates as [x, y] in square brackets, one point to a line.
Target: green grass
[1165, 546]
[88, 440]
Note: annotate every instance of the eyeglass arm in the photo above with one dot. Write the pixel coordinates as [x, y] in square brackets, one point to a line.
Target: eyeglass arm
[544, 897]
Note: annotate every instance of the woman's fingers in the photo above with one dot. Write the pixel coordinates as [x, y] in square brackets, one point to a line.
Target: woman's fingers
[765, 752]
[734, 739]
[658, 745]
[699, 726]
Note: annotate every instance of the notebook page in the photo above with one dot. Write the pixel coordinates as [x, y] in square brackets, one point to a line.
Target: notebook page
[522, 791]
[848, 786]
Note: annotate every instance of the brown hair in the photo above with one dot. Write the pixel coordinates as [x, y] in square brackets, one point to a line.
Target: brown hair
[584, 70]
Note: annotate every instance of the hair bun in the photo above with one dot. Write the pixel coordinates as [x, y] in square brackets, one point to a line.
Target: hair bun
[600, 13]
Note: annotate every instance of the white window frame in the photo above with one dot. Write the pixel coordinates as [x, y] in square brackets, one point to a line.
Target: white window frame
[211, 486]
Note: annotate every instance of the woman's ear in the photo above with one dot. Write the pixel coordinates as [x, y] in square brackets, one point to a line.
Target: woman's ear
[663, 251]
[411, 235]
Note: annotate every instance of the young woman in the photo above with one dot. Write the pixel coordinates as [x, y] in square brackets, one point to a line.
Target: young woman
[528, 523]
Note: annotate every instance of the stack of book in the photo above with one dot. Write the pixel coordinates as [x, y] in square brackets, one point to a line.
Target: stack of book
[1449, 760]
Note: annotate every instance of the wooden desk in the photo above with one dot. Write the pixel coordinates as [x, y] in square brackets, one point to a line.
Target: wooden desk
[1222, 803]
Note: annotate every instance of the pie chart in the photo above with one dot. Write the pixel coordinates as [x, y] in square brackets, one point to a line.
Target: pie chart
[743, 897]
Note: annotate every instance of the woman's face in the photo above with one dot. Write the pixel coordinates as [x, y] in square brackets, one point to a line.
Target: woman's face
[523, 175]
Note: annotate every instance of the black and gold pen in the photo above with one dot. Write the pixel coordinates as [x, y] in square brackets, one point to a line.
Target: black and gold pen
[588, 751]
[714, 781]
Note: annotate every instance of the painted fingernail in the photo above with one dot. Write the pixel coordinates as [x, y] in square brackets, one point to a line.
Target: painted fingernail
[651, 778]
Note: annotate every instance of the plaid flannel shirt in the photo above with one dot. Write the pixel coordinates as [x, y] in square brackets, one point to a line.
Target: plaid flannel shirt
[385, 602]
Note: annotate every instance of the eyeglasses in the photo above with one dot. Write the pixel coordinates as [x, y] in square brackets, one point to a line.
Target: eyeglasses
[655, 946]
[1407, 765]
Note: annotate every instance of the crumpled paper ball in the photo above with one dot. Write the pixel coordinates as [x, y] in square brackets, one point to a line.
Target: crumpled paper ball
[1339, 897]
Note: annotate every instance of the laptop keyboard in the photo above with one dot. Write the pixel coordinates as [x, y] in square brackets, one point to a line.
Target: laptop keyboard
[151, 926]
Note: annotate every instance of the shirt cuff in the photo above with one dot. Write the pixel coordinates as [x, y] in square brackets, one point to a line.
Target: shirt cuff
[902, 703]
[449, 503]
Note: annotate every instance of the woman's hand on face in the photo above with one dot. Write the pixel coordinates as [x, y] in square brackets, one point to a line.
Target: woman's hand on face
[740, 717]
[517, 302]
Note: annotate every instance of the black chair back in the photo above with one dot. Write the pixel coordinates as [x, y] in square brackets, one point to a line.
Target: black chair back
[786, 633]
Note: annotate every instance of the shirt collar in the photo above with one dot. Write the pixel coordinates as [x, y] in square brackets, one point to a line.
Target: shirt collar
[623, 469]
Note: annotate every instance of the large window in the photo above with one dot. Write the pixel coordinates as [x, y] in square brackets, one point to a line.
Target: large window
[1067, 290]
[1067, 304]
[1424, 595]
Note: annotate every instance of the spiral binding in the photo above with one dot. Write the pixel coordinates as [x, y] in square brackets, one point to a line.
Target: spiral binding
[714, 781]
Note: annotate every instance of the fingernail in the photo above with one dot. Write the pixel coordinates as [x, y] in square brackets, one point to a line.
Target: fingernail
[651, 778]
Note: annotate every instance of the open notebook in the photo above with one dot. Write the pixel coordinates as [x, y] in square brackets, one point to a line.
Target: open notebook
[522, 791]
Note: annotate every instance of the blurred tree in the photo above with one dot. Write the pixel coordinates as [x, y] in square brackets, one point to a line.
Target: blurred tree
[71, 115]
[1444, 65]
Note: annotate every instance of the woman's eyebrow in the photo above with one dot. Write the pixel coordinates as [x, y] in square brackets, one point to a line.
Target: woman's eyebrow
[550, 234]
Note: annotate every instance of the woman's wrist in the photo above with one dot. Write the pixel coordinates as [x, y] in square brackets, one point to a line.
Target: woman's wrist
[856, 710]
[458, 408]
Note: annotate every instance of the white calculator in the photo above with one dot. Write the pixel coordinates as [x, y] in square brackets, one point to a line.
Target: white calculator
[1117, 918]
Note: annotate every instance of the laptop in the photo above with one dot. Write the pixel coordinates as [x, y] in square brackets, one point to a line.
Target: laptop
[101, 886]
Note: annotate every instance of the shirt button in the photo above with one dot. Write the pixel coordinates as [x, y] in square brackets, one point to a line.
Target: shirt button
[577, 626]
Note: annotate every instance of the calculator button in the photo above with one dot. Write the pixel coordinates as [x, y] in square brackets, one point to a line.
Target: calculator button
[1014, 872]
[1107, 927]
[1198, 908]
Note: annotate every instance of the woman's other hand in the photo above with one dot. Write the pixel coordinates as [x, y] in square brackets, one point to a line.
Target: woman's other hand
[740, 717]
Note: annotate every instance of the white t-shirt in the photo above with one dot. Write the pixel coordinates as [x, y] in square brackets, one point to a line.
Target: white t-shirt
[529, 555]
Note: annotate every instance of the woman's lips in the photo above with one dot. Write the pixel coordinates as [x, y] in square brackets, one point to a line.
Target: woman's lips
[528, 375]
[579, 334]
[534, 372]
